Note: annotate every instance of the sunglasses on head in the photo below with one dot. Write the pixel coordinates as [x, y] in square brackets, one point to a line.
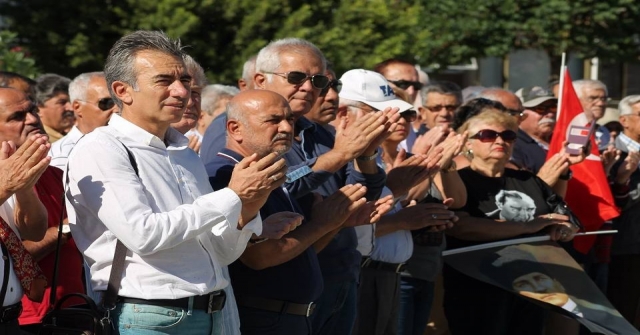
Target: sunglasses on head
[488, 135]
[298, 78]
[404, 84]
[104, 104]
[335, 84]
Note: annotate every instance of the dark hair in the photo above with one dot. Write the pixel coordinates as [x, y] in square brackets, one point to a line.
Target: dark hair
[382, 66]
[7, 77]
[473, 108]
[49, 85]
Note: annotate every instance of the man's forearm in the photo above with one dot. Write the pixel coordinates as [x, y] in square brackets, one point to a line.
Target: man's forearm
[44, 247]
[331, 161]
[275, 252]
[483, 229]
[30, 215]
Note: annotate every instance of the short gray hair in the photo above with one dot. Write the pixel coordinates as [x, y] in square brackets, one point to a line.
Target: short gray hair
[79, 85]
[211, 94]
[249, 69]
[352, 104]
[625, 104]
[442, 87]
[580, 85]
[49, 85]
[120, 61]
[268, 59]
[195, 70]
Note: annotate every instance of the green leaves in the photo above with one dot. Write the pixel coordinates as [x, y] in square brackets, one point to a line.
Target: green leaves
[69, 37]
[14, 57]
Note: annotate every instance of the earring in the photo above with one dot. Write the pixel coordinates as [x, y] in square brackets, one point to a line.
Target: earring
[469, 154]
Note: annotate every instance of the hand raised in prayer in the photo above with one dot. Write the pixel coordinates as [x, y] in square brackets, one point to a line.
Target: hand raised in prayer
[21, 168]
[338, 207]
[280, 224]
[370, 213]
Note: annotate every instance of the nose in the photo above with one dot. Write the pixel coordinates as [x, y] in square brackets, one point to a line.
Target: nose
[306, 86]
[410, 91]
[179, 89]
[68, 106]
[285, 126]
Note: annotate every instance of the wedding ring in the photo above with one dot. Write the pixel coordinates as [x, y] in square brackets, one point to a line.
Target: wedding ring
[273, 178]
[549, 217]
[435, 217]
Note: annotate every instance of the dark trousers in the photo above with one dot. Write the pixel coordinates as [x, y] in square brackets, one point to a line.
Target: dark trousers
[10, 328]
[260, 322]
[473, 307]
[416, 297]
[335, 311]
[378, 302]
[623, 290]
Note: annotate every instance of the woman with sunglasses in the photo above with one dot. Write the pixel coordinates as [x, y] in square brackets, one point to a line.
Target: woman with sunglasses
[502, 204]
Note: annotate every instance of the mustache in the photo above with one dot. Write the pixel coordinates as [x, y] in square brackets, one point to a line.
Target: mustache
[281, 137]
[68, 114]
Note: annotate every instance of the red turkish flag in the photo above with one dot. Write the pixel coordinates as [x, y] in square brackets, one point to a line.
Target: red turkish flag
[588, 192]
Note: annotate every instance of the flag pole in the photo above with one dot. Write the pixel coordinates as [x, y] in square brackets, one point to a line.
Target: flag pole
[563, 66]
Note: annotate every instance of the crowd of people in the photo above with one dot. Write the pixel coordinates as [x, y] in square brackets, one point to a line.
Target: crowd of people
[299, 202]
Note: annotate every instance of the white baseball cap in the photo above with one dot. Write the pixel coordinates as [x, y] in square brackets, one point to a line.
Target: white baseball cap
[371, 88]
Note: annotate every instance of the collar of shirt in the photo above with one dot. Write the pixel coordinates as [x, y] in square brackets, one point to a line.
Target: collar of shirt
[174, 139]
[628, 142]
[52, 133]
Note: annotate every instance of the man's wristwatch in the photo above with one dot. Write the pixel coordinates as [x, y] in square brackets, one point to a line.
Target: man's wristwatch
[368, 158]
[567, 175]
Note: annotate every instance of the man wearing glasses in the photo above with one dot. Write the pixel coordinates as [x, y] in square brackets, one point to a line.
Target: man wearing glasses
[92, 106]
[403, 75]
[534, 135]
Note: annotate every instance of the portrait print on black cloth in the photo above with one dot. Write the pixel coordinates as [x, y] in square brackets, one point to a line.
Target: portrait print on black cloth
[513, 206]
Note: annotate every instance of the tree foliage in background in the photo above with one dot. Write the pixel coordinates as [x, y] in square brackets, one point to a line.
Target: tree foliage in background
[15, 58]
[70, 37]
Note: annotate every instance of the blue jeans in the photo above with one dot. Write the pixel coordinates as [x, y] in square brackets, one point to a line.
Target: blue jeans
[142, 319]
[335, 311]
[416, 297]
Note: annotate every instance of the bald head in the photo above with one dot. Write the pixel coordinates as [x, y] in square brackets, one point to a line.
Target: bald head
[506, 98]
[259, 121]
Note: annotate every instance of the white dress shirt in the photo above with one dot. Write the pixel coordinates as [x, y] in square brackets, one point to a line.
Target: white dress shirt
[178, 231]
[61, 148]
[14, 289]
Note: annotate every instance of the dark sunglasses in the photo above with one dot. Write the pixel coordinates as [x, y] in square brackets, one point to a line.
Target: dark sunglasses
[544, 110]
[335, 84]
[437, 108]
[488, 135]
[104, 104]
[404, 84]
[515, 112]
[409, 115]
[298, 78]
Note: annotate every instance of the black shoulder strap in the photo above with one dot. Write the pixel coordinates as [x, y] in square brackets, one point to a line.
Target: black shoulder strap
[5, 278]
[117, 266]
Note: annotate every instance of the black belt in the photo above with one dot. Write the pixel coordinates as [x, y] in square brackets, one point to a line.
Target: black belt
[210, 303]
[367, 262]
[277, 306]
[10, 313]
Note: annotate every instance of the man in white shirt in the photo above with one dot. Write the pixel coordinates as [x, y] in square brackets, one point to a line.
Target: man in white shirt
[92, 106]
[19, 171]
[179, 234]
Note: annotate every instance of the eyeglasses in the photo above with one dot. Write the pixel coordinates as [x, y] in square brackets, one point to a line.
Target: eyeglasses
[298, 78]
[593, 99]
[335, 84]
[104, 104]
[544, 110]
[404, 84]
[409, 115]
[488, 135]
[437, 108]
